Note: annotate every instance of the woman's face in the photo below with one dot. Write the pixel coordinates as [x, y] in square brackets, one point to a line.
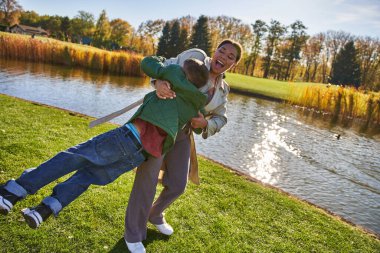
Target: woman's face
[223, 59]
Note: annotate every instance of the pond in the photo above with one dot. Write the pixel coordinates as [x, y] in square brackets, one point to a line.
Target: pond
[272, 142]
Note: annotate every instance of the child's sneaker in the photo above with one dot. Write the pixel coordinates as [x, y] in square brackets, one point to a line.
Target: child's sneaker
[7, 201]
[36, 215]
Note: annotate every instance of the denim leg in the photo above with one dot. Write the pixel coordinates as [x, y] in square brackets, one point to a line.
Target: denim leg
[64, 193]
[100, 150]
[13, 187]
[72, 188]
[61, 164]
[54, 205]
[105, 173]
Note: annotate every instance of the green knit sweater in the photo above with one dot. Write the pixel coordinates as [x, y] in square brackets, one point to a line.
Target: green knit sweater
[171, 115]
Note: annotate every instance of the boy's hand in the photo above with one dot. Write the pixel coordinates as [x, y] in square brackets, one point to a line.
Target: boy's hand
[163, 89]
[199, 122]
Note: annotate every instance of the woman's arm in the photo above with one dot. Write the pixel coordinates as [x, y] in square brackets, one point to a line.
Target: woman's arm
[216, 122]
[216, 111]
[211, 125]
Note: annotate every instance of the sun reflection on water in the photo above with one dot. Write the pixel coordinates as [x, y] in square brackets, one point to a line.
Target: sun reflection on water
[265, 159]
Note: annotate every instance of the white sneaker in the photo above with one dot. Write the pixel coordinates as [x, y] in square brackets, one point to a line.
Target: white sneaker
[165, 228]
[135, 247]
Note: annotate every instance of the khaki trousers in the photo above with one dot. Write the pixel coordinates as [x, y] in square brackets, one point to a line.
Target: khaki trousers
[140, 209]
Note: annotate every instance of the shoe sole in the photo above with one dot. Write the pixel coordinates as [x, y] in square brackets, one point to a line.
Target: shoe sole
[31, 218]
[5, 206]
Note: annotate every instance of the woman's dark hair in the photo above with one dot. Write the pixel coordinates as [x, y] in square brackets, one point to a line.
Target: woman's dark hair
[236, 45]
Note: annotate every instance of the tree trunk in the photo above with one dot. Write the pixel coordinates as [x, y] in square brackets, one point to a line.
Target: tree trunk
[306, 76]
[287, 74]
[253, 67]
[267, 68]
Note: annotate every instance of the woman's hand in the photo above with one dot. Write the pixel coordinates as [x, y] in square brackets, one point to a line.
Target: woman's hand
[199, 122]
[163, 90]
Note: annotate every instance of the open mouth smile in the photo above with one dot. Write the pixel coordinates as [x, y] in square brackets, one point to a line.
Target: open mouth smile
[221, 64]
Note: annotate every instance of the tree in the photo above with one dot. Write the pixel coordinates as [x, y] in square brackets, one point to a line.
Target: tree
[148, 32]
[53, 24]
[102, 30]
[335, 40]
[187, 23]
[163, 43]
[83, 25]
[278, 61]
[66, 27]
[223, 27]
[120, 31]
[11, 11]
[173, 48]
[201, 35]
[259, 30]
[275, 33]
[346, 69]
[368, 52]
[312, 56]
[183, 43]
[30, 18]
[296, 40]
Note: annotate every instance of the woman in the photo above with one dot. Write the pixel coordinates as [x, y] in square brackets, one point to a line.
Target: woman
[176, 161]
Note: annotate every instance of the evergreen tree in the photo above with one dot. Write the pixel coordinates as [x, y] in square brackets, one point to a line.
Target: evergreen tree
[275, 33]
[346, 69]
[65, 27]
[102, 31]
[297, 40]
[183, 40]
[259, 30]
[163, 43]
[173, 48]
[201, 35]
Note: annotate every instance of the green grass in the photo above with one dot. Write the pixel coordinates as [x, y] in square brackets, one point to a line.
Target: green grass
[267, 87]
[226, 213]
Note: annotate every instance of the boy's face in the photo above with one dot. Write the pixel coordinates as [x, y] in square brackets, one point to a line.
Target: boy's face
[223, 59]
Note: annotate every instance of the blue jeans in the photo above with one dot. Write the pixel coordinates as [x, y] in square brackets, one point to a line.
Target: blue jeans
[98, 161]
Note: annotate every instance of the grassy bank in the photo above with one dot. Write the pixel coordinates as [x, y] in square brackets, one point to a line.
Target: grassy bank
[266, 87]
[343, 104]
[227, 213]
[47, 50]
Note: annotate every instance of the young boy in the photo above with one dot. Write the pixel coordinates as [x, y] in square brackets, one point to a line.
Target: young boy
[100, 160]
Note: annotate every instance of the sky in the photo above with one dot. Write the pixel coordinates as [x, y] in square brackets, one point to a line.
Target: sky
[358, 17]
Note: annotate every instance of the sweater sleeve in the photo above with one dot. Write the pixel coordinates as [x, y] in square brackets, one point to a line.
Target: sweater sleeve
[182, 57]
[153, 66]
[216, 122]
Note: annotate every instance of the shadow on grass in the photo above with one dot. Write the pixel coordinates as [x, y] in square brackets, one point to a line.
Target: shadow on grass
[152, 235]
